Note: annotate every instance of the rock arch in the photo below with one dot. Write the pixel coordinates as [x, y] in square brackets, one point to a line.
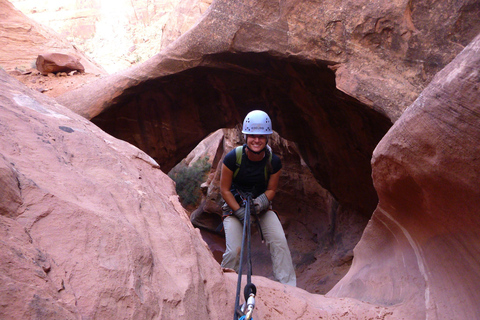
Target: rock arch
[168, 116]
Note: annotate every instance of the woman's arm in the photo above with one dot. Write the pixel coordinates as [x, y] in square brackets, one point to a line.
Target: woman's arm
[262, 202]
[225, 185]
[272, 185]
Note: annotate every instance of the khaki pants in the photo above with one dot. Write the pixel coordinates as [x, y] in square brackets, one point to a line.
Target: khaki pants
[283, 270]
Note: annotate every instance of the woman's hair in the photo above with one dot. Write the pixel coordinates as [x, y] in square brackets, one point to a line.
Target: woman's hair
[268, 152]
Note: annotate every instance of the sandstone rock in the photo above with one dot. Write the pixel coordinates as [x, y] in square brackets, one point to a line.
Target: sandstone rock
[100, 233]
[58, 63]
[283, 56]
[421, 246]
[98, 210]
[9, 184]
[403, 231]
[30, 289]
[385, 52]
[206, 149]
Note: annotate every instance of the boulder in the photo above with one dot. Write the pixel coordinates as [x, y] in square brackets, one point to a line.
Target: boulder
[58, 62]
[89, 217]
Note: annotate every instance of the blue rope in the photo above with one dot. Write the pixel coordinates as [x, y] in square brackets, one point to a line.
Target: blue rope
[246, 233]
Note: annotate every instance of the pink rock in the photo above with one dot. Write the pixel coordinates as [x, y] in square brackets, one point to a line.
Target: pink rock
[58, 62]
[422, 244]
[99, 232]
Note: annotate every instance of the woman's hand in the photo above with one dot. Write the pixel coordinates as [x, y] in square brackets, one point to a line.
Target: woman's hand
[261, 203]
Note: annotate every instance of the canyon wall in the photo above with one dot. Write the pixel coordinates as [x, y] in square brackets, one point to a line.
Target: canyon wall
[83, 209]
[422, 243]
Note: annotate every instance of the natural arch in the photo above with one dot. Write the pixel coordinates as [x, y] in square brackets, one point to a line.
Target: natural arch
[335, 133]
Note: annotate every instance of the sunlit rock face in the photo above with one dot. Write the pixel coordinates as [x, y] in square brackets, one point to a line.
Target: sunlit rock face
[23, 40]
[116, 34]
[422, 244]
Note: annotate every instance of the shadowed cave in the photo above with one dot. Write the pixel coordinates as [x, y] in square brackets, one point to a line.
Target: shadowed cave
[335, 133]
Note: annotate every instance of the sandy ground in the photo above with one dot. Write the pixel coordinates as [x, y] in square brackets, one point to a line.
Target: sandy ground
[53, 85]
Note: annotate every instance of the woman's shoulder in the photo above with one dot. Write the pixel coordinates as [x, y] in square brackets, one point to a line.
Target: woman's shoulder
[230, 159]
[233, 153]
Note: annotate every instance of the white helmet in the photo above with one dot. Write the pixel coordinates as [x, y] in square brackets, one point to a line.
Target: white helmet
[257, 122]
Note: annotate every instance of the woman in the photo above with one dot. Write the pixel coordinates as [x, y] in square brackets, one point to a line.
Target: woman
[258, 174]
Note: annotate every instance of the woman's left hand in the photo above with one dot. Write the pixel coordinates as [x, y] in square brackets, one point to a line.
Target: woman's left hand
[261, 203]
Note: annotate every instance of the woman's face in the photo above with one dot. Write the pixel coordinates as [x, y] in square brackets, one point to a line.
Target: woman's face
[256, 142]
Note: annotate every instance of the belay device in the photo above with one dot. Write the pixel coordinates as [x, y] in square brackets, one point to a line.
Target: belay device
[246, 311]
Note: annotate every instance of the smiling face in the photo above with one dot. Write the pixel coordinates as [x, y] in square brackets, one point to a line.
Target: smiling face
[256, 142]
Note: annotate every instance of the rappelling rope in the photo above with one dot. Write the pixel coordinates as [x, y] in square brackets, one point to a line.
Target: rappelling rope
[250, 291]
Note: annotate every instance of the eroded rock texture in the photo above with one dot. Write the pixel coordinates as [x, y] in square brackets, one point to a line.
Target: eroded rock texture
[422, 244]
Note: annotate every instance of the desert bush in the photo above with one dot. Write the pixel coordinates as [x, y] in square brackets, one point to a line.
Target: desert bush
[188, 180]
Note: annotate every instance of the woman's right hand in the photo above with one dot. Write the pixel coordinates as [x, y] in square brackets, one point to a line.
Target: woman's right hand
[240, 213]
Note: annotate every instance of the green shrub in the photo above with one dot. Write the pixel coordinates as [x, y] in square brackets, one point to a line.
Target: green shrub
[188, 180]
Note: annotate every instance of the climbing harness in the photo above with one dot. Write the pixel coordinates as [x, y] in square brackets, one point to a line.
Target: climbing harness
[246, 311]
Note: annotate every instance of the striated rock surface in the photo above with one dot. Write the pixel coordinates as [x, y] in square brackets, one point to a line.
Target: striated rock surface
[422, 245]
